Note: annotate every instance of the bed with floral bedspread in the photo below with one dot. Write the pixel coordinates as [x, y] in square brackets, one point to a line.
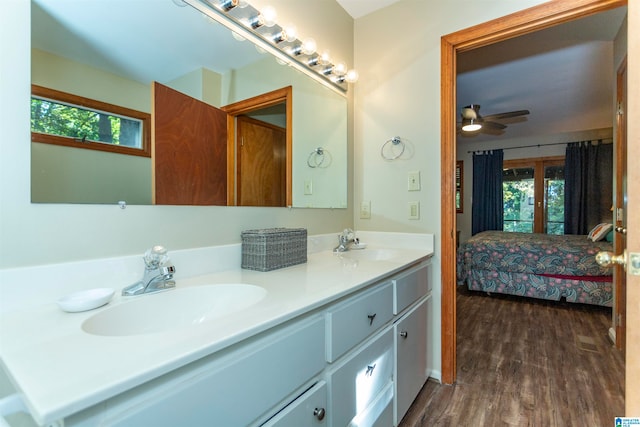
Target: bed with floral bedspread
[536, 265]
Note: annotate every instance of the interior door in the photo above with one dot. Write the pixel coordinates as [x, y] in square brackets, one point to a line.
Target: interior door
[189, 150]
[261, 163]
[620, 207]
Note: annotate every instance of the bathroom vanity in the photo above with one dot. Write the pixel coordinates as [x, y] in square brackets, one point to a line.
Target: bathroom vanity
[341, 340]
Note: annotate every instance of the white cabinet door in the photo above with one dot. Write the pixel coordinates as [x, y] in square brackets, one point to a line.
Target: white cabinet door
[236, 387]
[308, 410]
[357, 379]
[411, 356]
[380, 411]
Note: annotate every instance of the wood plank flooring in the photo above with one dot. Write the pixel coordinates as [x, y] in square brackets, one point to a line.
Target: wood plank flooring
[526, 362]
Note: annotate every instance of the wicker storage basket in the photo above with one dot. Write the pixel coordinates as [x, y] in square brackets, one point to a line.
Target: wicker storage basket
[273, 248]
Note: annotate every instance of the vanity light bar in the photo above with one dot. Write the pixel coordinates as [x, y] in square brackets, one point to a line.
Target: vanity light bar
[248, 22]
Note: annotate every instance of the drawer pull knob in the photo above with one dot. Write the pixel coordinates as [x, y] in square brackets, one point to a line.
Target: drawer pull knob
[319, 413]
[404, 334]
[370, 369]
[371, 317]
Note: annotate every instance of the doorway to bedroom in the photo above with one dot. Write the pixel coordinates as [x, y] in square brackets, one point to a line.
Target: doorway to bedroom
[525, 22]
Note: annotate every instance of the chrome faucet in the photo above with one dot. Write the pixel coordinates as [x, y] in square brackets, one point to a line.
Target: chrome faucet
[158, 273]
[346, 240]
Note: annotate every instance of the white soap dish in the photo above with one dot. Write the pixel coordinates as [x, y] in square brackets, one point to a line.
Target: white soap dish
[85, 300]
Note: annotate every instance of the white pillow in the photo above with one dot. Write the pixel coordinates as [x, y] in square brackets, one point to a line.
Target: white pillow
[600, 231]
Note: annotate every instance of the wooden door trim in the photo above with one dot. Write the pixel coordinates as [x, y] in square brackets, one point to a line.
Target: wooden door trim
[620, 321]
[523, 22]
[252, 104]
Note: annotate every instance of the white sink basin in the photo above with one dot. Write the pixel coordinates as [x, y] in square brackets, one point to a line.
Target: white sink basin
[175, 308]
[369, 254]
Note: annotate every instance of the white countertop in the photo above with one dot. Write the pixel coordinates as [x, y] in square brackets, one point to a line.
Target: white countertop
[60, 369]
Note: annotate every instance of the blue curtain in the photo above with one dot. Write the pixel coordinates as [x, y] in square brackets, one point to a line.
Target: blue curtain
[487, 207]
[588, 183]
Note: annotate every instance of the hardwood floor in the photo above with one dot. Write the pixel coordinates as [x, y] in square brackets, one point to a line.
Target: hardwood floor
[526, 362]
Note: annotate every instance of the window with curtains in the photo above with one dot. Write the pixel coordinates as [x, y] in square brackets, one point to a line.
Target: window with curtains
[533, 195]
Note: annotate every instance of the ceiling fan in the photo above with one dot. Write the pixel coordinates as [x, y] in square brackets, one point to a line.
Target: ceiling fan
[473, 123]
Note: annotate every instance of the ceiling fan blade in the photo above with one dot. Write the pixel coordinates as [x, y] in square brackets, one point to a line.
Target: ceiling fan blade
[493, 125]
[489, 130]
[506, 115]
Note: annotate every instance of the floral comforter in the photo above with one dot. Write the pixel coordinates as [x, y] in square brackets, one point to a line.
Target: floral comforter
[536, 265]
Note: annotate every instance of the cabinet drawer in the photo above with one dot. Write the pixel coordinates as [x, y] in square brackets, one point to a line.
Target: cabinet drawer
[380, 411]
[307, 410]
[410, 286]
[410, 339]
[350, 322]
[232, 389]
[359, 378]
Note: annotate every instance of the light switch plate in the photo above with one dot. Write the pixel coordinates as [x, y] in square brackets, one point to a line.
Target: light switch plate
[413, 183]
[414, 210]
[308, 187]
[365, 209]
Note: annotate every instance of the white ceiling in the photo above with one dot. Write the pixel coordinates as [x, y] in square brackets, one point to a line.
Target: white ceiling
[360, 8]
[143, 40]
[563, 75]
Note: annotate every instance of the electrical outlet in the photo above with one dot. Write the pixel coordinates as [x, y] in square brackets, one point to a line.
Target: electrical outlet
[414, 181]
[414, 210]
[308, 187]
[365, 209]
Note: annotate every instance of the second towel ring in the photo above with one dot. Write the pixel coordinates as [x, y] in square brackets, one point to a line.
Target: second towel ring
[395, 142]
[319, 158]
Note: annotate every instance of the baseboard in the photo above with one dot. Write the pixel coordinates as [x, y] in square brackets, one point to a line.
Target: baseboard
[435, 375]
[612, 335]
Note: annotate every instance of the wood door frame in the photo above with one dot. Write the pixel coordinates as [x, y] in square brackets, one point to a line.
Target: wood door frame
[523, 22]
[619, 202]
[284, 95]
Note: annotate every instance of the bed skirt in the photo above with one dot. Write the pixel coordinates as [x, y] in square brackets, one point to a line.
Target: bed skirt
[542, 287]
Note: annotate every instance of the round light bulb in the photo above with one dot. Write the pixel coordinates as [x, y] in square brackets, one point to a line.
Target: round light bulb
[340, 69]
[242, 4]
[292, 32]
[269, 14]
[309, 46]
[352, 76]
[325, 58]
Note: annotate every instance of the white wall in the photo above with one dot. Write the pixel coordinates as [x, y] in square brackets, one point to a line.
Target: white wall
[32, 234]
[397, 53]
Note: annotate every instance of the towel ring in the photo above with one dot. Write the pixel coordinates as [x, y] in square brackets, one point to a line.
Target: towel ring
[395, 141]
[319, 158]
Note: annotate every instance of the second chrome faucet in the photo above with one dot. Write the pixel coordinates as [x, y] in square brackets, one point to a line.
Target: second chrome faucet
[157, 276]
[346, 240]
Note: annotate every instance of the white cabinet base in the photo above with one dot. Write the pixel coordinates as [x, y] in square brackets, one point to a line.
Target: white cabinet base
[410, 339]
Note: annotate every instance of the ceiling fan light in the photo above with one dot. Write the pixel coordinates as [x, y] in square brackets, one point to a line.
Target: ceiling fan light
[471, 125]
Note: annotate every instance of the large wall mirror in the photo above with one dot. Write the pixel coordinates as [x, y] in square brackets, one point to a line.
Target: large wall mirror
[113, 51]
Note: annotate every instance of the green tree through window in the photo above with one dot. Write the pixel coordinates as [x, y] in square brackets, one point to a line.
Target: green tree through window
[533, 195]
[55, 118]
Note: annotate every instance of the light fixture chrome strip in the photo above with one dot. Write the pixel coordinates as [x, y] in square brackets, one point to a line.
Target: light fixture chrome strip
[290, 52]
